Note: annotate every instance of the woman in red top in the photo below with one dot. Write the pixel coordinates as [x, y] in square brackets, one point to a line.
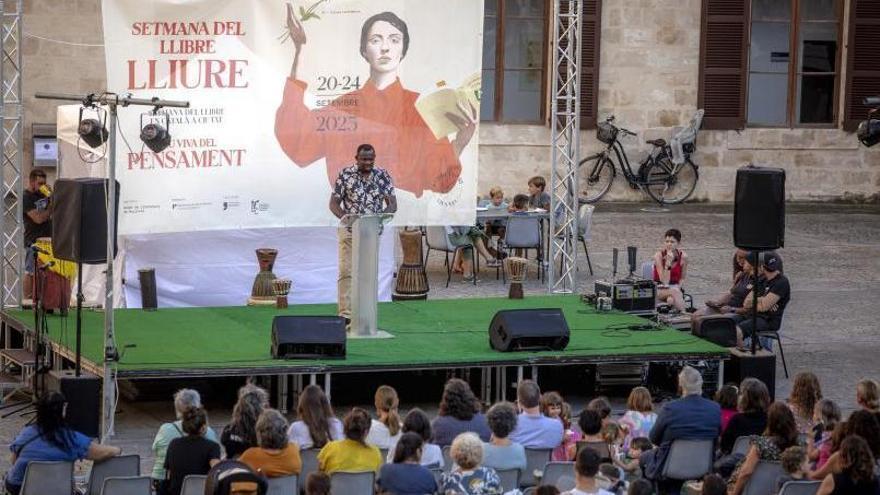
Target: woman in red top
[670, 270]
[381, 112]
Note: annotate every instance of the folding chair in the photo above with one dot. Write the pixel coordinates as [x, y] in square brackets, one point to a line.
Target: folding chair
[193, 484]
[344, 483]
[282, 485]
[763, 480]
[47, 477]
[742, 445]
[309, 464]
[776, 335]
[509, 479]
[689, 459]
[559, 474]
[119, 466]
[536, 459]
[126, 485]
[800, 488]
[524, 232]
[438, 240]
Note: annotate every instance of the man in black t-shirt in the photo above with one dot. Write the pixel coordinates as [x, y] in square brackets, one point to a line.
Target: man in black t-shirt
[37, 208]
[774, 292]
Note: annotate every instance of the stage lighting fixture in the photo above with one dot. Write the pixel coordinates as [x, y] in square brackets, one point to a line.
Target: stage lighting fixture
[154, 135]
[92, 131]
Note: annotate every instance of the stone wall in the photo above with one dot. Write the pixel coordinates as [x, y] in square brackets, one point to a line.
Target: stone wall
[649, 67]
[649, 81]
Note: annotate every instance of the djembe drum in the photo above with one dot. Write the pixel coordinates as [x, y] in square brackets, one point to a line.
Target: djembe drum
[412, 281]
[281, 287]
[262, 293]
[516, 267]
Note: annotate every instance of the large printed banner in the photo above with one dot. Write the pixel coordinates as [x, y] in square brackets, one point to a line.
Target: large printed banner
[281, 95]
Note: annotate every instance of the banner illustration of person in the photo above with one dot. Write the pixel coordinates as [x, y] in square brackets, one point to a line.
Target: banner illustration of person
[380, 112]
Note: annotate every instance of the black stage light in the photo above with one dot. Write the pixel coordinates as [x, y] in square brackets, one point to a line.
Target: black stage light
[92, 131]
[154, 135]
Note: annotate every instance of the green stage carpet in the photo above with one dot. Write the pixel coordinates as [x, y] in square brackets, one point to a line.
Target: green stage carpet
[431, 333]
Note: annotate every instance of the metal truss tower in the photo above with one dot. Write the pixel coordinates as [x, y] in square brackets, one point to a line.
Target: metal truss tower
[11, 111]
[565, 145]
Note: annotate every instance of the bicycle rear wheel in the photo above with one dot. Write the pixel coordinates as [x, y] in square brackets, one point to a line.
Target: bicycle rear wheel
[669, 183]
[595, 175]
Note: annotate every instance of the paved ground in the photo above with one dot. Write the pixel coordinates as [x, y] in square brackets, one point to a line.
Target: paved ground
[832, 257]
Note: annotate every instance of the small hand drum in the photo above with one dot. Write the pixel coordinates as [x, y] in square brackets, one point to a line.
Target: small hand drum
[281, 287]
[516, 267]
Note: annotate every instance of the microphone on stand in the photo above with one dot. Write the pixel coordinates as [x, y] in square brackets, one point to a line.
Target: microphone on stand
[631, 255]
[40, 250]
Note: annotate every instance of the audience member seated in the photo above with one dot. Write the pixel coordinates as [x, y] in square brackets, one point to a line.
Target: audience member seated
[868, 396]
[738, 257]
[713, 485]
[385, 431]
[192, 453]
[459, 412]
[805, 393]
[826, 417]
[317, 483]
[639, 417]
[416, 421]
[795, 465]
[50, 439]
[467, 476]
[316, 425]
[640, 487]
[754, 399]
[670, 270]
[860, 423]
[538, 198]
[602, 406]
[726, 397]
[406, 475]
[241, 434]
[781, 433]
[857, 471]
[184, 400]
[274, 456]
[351, 454]
[630, 462]
[463, 260]
[731, 302]
[773, 296]
[590, 423]
[547, 490]
[691, 417]
[611, 479]
[585, 468]
[570, 437]
[533, 429]
[500, 453]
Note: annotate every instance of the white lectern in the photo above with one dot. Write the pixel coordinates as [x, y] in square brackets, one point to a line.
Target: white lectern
[366, 230]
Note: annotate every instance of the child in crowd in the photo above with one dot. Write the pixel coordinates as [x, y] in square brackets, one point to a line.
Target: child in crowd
[602, 406]
[640, 486]
[537, 197]
[496, 202]
[546, 490]
[639, 417]
[520, 204]
[551, 404]
[868, 395]
[630, 463]
[590, 423]
[569, 439]
[612, 434]
[727, 398]
[611, 477]
[826, 415]
[713, 484]
[317, 483]
[795, 464]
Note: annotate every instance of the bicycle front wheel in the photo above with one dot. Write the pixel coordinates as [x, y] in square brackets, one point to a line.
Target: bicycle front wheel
[595, 176]
[669, 183]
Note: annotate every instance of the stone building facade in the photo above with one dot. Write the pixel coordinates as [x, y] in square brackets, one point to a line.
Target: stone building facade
[648, 78]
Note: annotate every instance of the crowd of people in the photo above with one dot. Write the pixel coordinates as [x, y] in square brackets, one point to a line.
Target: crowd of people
[609, 453]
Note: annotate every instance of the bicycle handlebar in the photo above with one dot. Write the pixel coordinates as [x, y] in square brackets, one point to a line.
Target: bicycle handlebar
[626, 132]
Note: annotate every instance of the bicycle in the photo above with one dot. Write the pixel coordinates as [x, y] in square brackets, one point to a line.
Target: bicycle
[664, 180]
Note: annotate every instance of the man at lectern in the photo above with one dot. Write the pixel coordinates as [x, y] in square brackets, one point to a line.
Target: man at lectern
[359, 189]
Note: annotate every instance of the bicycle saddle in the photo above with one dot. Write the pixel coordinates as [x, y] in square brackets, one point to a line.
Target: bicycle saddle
[657, 142]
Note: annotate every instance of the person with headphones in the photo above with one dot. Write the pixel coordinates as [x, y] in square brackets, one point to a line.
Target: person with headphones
[774, 292]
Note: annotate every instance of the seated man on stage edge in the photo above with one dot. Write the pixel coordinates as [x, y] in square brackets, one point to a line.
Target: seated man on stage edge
[359, 189]
[774, 292]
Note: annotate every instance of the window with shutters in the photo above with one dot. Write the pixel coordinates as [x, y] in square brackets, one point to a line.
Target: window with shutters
[863, 60]
[793, 62]
[514, 60]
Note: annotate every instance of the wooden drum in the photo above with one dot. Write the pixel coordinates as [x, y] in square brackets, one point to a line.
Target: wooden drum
[516, 267]
[412, 281]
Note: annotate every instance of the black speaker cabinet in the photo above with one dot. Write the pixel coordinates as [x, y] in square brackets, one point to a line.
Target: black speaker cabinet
[79, 223]
[529, 329]
[742, 364]
[308, 337]
[759, 208]
[718, 329]
[83, 394]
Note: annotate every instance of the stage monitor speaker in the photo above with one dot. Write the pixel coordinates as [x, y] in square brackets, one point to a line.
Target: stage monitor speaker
[83, 394]
[742, 364]
[718, 329]
[308, 337]
[759, 208]
[79, 223]
[529, 329]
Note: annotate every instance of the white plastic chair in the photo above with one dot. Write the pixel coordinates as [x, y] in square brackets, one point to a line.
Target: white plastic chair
[127, 485]
[47, 478]
[193, 484]
[116, 467]
[282, 485]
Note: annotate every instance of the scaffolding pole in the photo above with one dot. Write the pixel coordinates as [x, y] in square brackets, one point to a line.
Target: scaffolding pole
[11, 112]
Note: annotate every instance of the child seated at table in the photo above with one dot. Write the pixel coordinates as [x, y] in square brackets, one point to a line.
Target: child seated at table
[537, 197]
[520, 204]
[495, 202]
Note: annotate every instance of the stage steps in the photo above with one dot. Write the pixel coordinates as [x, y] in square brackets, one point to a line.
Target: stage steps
[12, 379]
